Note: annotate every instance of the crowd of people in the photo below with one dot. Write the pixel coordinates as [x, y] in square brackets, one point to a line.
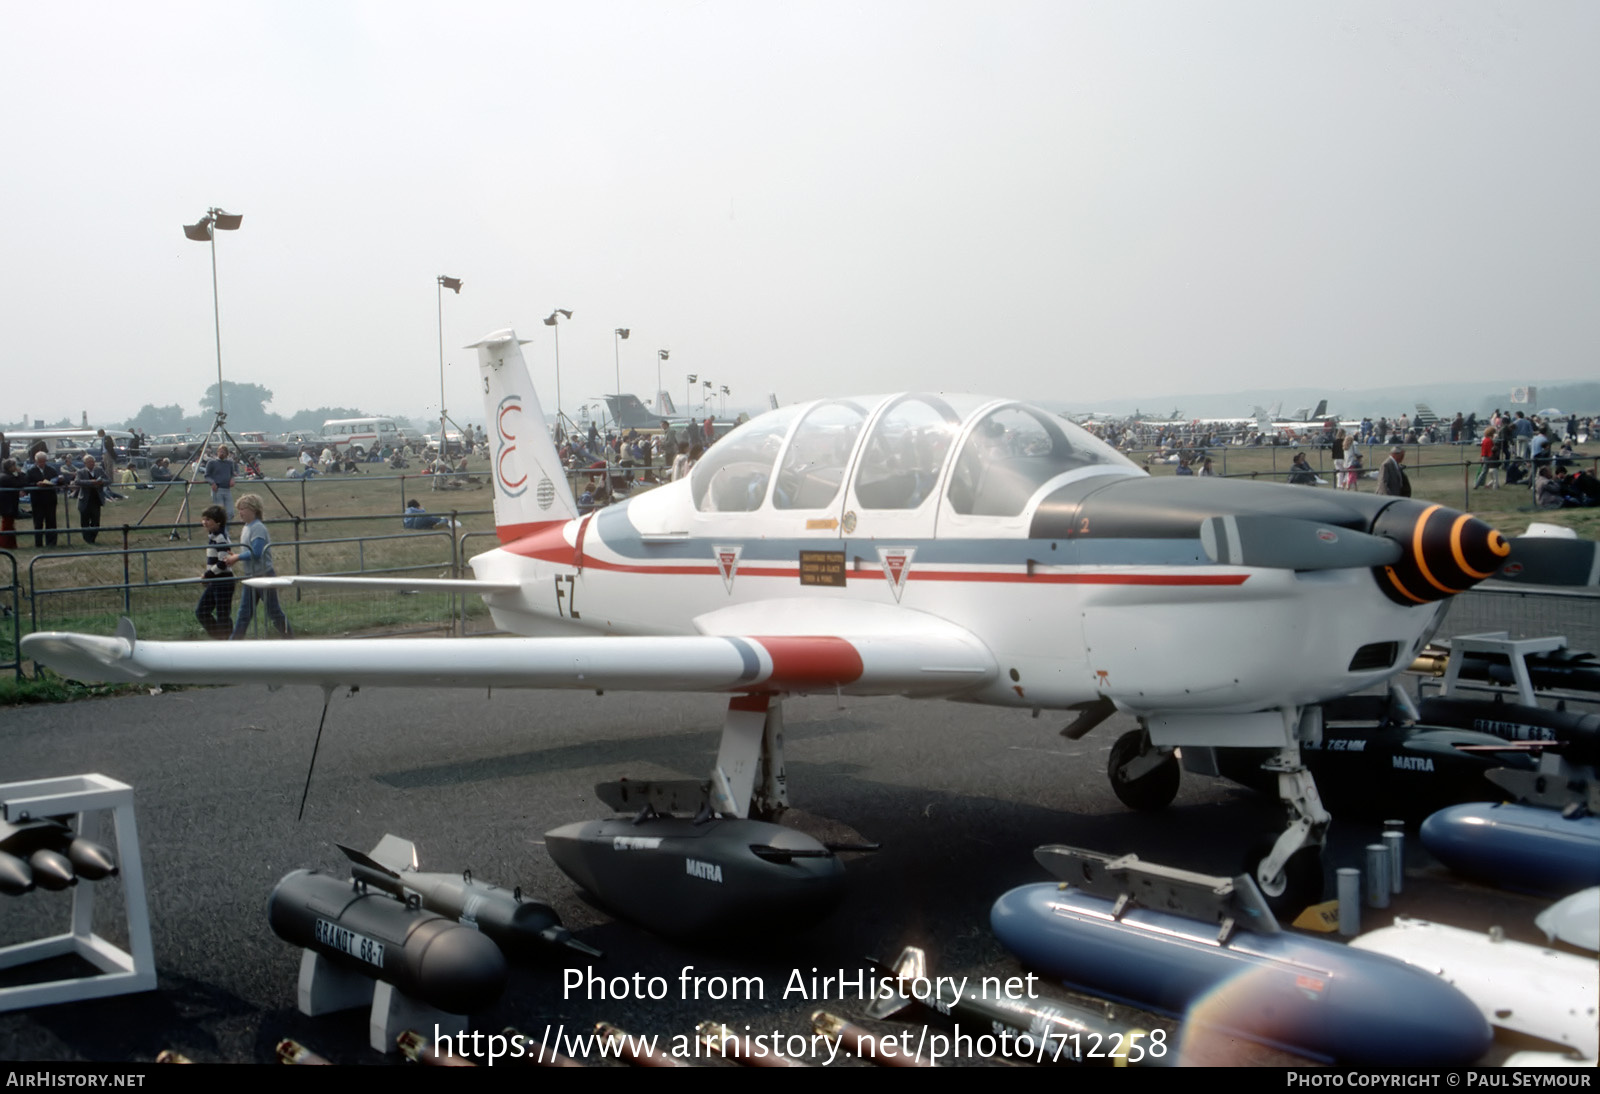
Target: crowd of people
[625, 462]
[1134, 434]
[1513, 446]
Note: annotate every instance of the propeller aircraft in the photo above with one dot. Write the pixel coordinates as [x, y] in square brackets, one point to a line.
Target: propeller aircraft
[927, 545]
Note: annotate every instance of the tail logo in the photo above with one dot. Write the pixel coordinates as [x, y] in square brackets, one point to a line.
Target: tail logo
[505, 440]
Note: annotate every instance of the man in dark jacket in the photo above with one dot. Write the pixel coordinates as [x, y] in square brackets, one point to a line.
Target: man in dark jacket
[90, 486]
[42, 478]
[1392, 477]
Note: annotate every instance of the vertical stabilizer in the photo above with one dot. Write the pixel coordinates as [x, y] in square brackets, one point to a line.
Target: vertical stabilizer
[530, 487]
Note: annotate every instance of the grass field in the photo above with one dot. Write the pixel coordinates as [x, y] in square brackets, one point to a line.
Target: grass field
[332, 524]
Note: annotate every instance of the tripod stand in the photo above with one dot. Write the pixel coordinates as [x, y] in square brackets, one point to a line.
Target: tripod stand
[219, 425]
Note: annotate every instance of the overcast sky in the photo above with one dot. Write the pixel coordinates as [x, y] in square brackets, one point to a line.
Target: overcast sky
[1062, 200]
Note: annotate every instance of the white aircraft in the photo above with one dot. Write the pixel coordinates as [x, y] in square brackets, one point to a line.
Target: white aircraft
[926, 545]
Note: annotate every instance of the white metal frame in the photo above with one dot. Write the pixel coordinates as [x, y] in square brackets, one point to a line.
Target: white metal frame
[121, 972]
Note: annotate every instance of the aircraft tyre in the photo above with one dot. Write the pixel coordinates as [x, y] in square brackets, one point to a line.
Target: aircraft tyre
[1296, 887]
[1151, 791]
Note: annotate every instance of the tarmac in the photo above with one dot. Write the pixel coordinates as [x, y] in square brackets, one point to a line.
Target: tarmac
[958, 796]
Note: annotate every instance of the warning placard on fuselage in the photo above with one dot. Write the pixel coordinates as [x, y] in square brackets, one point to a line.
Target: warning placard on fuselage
[822, 568]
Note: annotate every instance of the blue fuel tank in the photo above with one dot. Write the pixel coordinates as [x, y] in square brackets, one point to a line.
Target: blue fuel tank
[1309, 996]
[684, 877]
[1516, 846]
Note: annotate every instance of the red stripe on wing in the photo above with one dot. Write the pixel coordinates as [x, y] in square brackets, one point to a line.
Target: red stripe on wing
[811, 662]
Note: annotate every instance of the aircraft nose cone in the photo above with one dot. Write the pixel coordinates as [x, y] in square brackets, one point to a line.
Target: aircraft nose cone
[1446, 552]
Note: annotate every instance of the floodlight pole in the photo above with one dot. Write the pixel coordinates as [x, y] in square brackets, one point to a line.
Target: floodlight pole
[206, 228]
[216, 321]
[439, 294]
[554, 320]
[616, 345]
[454, 285]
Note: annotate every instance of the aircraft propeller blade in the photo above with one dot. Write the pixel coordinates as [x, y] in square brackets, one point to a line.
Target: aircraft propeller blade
[1552, 560]
[1289, 543]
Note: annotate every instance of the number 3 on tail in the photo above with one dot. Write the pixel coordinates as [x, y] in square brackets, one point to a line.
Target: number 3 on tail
[566, 605]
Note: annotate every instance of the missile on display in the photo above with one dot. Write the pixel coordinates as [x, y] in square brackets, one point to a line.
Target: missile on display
[16, 876]
[1226, 965]
[1056, 1031]
[45, 853]
[294, 1054]
[51, 870]
[1574, 734]
[862, 1043]
[427, 956]
[519, 926]
[686, 876]
[1574, 920]
[637, 1051]
[1522, 847]
[1573, 670]
[717, 1039]
[1531, 990]
[543, 1056]
[1390, 770]
[417, 1048]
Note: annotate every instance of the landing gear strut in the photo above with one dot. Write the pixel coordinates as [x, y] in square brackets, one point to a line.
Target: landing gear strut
[748, 780]
[1144, 771]
[1288, 869]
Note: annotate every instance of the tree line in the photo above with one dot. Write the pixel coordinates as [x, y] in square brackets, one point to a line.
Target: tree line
[246, 405]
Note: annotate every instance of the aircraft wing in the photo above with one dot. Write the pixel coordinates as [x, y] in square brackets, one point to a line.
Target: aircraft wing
[941, 660]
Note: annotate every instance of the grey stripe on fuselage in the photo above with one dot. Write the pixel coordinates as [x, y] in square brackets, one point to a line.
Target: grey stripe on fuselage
[618, 534]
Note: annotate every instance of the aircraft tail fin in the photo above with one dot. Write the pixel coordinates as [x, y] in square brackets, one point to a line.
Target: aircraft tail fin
[664, 405]
[530, 486]
[1322, 409]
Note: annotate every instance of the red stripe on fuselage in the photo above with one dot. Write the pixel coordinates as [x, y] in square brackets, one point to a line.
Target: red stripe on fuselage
[1083, 579]
[533, 539]
[811, 662]
[546, 543]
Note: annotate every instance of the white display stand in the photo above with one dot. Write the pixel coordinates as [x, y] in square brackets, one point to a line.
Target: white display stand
[1515, 650]
[121, 972]
[325, 988]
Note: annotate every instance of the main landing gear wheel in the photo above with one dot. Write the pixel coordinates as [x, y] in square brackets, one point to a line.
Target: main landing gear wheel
[1297, 886]
[1152, 782]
